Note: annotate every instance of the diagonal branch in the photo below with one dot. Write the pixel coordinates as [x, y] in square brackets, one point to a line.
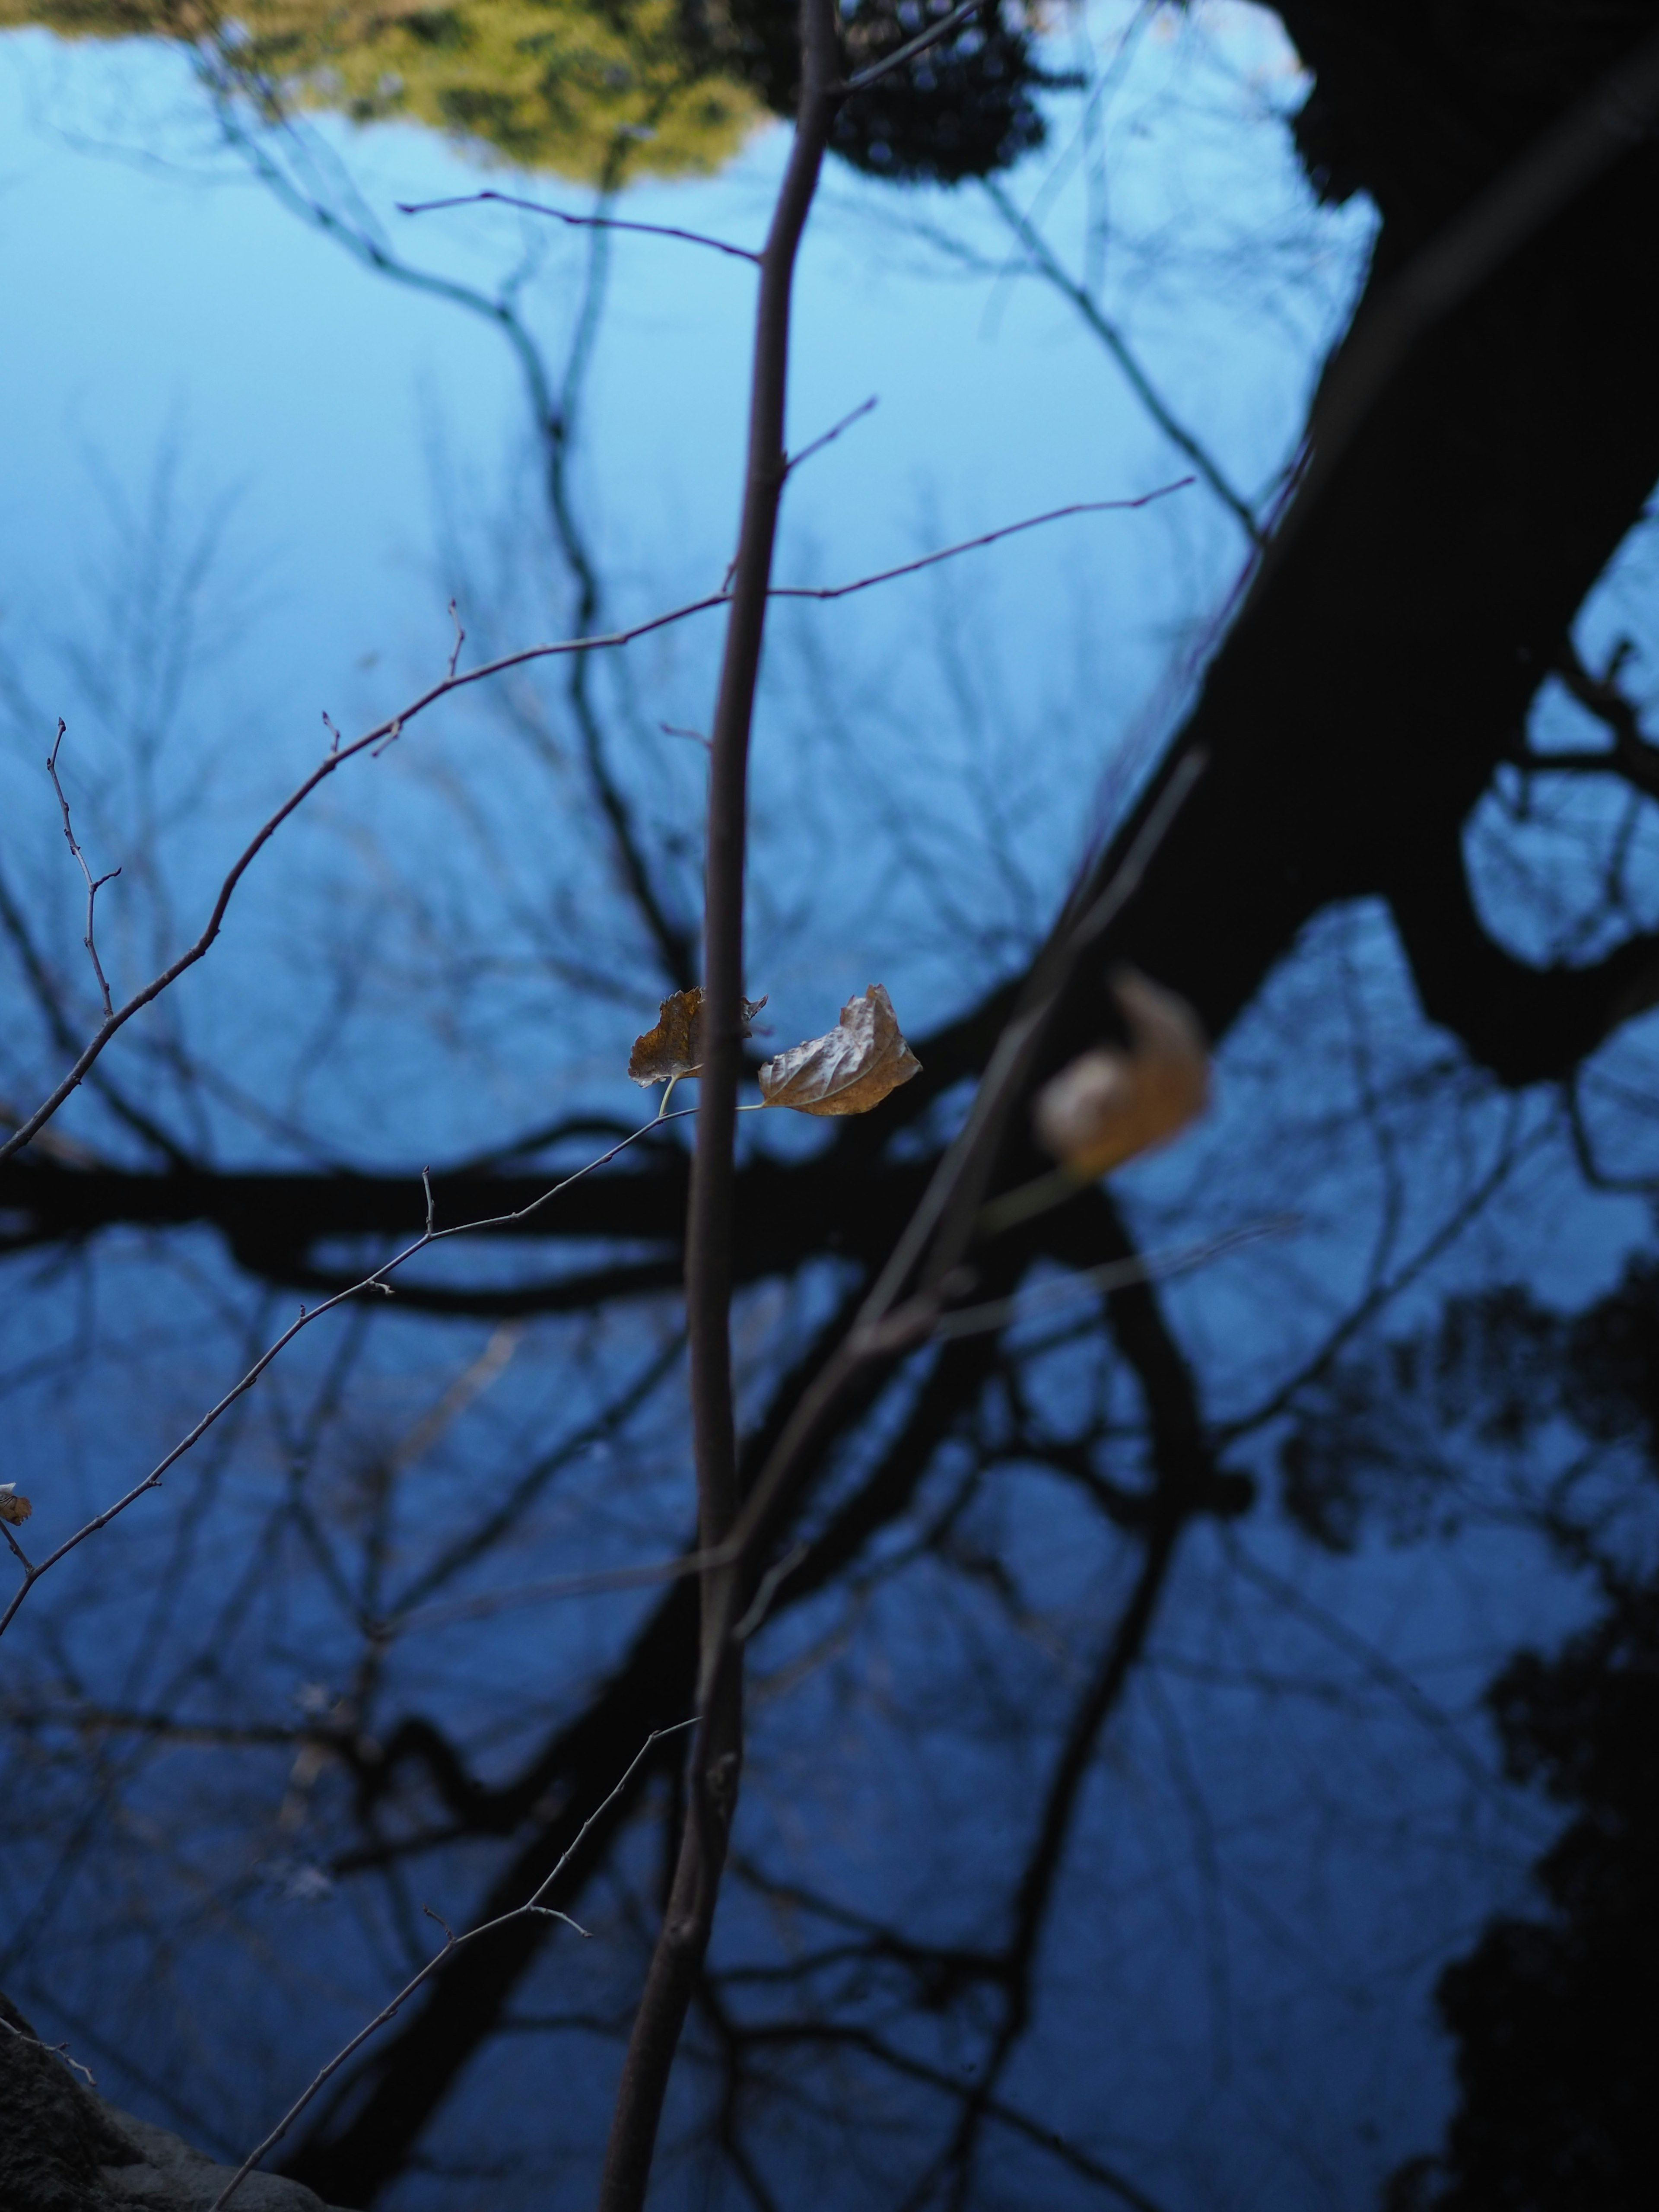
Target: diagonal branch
[1526, 1024]
[1043, 259]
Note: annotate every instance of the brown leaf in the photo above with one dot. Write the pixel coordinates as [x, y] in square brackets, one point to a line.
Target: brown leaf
[849, 1069]
[674, 1048]
[1110, 1105]
[13, 1508]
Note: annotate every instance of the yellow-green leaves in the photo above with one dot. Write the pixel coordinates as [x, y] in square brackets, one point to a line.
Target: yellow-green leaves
[555, 84]
[1109, 1105]
[13, 1509]
[674, 1048]
[848, 1070]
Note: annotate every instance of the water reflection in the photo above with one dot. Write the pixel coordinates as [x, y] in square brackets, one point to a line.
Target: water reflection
[1118, 1779]
[557, 86]
[653, 87]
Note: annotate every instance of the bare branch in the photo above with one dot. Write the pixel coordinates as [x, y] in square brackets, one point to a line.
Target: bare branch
[973, 544]
[1043, 260]
[94, 883]
[853, 2036]
[451, 1944]
[717, 1761]
[377, 1281]
[387, 733]
[584, 221]
[1113, 1275]
[903, 55]
[1633, 756]
[938, 1233]
[384, 734]
[829, 436]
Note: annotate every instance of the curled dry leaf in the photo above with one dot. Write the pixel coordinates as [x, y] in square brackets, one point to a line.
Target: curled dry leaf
[13, 1508]
[849, 1069]
[1111, 1104]
[674, 1048]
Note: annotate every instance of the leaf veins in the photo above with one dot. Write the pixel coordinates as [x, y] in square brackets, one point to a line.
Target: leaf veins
[848, 1070]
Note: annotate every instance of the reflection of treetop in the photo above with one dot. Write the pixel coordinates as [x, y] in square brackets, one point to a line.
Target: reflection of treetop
[545, 83]
[569, 84]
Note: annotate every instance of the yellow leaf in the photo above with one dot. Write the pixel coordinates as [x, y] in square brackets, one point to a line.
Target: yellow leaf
[13, 1508]
[1110, 1105]
[674, 1048]
[849, 1069]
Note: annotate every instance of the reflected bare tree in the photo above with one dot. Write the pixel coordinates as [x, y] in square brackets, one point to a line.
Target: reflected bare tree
[1006, 1555]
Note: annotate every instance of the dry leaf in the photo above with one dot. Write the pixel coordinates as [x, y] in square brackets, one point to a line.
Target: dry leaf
[13, 1508]
[1110, 1104]
[849, 1069]
[674, 1048]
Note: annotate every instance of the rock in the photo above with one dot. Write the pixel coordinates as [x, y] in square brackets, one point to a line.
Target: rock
[63, 2149]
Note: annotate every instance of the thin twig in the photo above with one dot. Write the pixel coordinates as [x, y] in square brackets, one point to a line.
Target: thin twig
[580, 221]
[973, 544]
[532, 1905]
[375, 1281]
[58, 2050]
[337, 757]
[600, 1583]
[94, 883]
[829, 436]
[907, 1327]
[938, 1231]
[1041, 258]
[386, 732]
[1385, 1292]
[1112, 1275]
[903, 55]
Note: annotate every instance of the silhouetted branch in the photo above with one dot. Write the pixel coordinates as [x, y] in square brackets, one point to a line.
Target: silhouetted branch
[717, 1745]
[377, 1279]
[94, 883]
[532, 1905]
[580, 222]
[901, 56]
[1041, 258]
[388, 732]
[1526, 1024]
[973, 544]
[829, 436]
[830, 2034]
[1633, 756]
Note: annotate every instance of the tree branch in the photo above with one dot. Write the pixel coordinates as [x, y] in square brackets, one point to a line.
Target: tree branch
[717, 1747]
[1526, 1024]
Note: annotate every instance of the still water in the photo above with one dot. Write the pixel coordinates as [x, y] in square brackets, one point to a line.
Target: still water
[265, 429]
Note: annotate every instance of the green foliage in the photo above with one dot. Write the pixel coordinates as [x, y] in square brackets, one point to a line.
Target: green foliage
[585, 87]
[556, 84]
